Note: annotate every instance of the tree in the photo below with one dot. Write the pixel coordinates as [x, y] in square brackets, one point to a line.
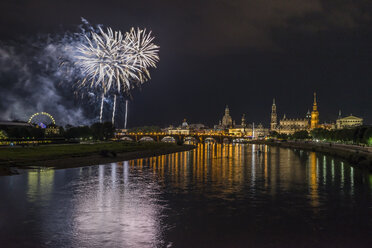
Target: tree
[84, 132]
[282, 136]
[36, 133]
[3, 135]
[19, 132]
[367, 136]
[103, 131]
[273, 133]
[300, 135]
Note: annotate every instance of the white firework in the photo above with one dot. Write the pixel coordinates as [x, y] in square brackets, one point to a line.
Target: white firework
[144, 52]
[113, 63]
[106, 62]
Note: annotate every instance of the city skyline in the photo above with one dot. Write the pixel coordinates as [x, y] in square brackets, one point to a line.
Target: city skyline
[172, 123]
[211, 56]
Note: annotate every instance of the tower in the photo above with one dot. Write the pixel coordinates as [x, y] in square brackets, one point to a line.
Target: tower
[226, 119]
[314, 115]
[227, 110]
[243, 120]
[274, 121]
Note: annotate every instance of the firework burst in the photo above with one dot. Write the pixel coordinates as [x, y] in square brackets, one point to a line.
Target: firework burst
[144, 52]
[106, 62]
[115, 63]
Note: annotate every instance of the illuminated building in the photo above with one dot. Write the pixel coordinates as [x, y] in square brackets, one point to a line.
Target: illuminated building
[51, 130]
[249, 130]
[226, 119]
[184, 129]
[314, 115]
[348, 122]
[287, 125]
[229, 126]
[241, 129]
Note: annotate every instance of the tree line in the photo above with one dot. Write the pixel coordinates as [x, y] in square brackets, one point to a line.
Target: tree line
[96, 131]
[356, 135]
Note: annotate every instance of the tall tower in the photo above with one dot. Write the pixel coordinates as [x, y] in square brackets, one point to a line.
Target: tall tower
[227, 110]
[243, 120]
[314, 115]
[274, 121]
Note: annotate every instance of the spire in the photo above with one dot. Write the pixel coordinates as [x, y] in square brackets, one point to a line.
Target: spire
[314, 123]
[273, 122]
[227, 110]
[339, 114]
[243, 120]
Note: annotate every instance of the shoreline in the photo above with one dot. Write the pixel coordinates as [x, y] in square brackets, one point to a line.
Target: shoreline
[360, 157]
[89, 159]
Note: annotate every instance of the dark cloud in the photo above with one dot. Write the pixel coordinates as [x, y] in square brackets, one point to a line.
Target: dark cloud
[208, 25]
[237, 52]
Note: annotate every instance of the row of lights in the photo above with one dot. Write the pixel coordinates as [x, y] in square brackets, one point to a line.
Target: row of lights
[200, 134]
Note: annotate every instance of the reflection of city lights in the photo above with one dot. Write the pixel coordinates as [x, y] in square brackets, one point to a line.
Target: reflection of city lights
[114, 202]
[313, 180]
[40, 185]
[137, 203]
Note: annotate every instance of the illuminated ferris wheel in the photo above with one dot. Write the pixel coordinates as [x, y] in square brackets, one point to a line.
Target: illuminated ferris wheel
[42, 119]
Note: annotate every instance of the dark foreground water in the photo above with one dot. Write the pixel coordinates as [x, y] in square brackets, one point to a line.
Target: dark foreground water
[215, 196]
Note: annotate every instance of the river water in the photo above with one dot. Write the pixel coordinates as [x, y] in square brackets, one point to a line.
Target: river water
[214, 196]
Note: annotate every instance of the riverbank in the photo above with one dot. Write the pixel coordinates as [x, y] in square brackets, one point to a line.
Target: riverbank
[356, 155]
[77, 155]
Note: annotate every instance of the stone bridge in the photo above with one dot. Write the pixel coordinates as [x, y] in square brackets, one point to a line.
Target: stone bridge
[191, 138]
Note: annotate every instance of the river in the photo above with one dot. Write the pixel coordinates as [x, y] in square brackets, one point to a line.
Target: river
[213, 196]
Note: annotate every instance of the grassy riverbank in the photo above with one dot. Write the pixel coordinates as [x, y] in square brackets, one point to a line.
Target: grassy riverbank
[356, 156]
[76, 155]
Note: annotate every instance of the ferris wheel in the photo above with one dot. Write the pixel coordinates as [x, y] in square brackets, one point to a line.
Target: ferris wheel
[42, 119]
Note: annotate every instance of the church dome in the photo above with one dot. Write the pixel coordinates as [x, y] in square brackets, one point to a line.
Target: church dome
[185, 124]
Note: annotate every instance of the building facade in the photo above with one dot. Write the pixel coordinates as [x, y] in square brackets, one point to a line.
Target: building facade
[348, 122]
[292, 125]
[184, 129]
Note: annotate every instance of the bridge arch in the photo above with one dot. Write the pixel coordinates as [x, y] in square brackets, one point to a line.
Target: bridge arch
[146, 139]
[210, 140]
[168, 139]
[126, 138]
[190, 140]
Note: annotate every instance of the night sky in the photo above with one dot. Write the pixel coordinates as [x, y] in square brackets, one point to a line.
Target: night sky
[237, 52]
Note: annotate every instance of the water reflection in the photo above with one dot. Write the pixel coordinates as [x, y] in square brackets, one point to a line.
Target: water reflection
[123, 212]
[238, 193]
[40, 184]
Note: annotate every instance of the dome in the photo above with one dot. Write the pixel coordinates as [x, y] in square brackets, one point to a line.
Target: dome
[185, 124]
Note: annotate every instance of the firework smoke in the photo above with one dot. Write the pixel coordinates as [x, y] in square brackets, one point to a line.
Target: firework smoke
[40, 73]
[31, 81]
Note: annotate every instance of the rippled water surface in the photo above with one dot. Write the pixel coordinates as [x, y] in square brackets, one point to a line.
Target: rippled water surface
[214, 196]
